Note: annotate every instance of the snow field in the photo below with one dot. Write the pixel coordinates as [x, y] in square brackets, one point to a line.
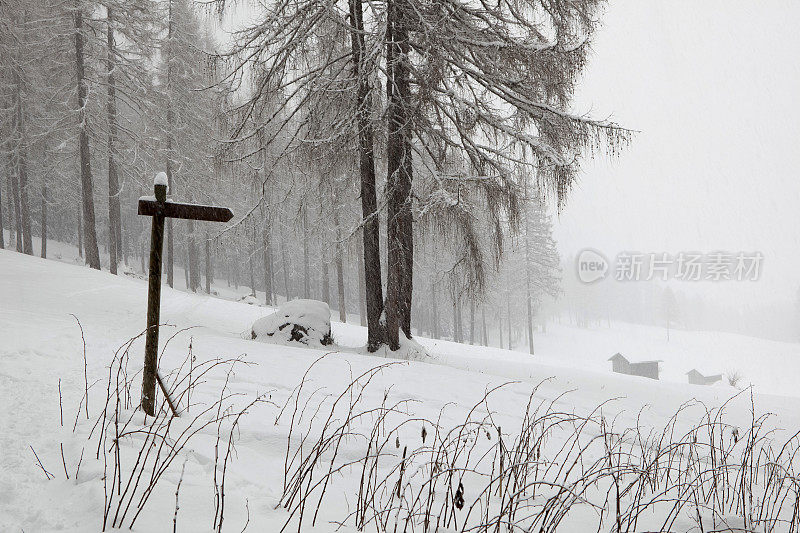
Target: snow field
[42, 344]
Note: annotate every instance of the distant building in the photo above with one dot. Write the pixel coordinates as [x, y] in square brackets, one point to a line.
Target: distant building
[696, 378]
[621, 365]
[646, 369]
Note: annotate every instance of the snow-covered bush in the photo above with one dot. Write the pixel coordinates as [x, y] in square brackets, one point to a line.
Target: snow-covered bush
[557, 471]
[733, 377]
[304, 321]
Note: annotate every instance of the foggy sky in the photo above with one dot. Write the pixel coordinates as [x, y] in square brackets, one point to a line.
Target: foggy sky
[713, 88]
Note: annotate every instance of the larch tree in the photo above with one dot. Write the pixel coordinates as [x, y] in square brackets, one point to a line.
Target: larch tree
[87, 186]
[669, 309]
[304, 72]
[79, 98]
[170, 58]
[38, 115]
[114, 222]
[490, 83]
[487, 85]
[534, 254]
[19, 103]
[187, 138]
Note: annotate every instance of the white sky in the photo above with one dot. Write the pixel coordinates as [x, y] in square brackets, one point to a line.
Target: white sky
[713, 86]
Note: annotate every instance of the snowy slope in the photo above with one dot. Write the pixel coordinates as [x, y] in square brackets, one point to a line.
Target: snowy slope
[41, 343]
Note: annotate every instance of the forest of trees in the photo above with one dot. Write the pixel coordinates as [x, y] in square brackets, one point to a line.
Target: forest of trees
[399, 160]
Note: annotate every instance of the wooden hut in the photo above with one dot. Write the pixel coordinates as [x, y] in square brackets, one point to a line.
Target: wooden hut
[696, 378]
[621, 365]
[646, 369]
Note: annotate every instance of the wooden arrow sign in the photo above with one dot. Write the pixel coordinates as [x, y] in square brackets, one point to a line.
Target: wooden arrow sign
[159, 208]
[149, 206]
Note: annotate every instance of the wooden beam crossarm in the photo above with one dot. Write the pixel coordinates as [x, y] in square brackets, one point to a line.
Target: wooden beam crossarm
[150, 206]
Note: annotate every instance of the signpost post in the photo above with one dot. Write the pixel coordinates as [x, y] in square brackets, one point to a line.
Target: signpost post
[160, 208]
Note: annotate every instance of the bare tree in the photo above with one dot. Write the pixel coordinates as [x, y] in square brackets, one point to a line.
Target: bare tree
[87, 194]
[114, 218]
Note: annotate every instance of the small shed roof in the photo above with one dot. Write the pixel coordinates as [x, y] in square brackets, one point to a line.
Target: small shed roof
[694, 371]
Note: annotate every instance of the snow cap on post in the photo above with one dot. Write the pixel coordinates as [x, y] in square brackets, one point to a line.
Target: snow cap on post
[161, 179]
[160, 187]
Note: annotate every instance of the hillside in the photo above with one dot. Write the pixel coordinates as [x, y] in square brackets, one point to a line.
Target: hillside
[42, 350]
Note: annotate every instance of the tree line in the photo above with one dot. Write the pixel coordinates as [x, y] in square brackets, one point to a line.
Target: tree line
[398, 159]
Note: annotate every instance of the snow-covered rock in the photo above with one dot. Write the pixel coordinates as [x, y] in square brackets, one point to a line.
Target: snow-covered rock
[249, 300]
[304, 321]
[130, 271]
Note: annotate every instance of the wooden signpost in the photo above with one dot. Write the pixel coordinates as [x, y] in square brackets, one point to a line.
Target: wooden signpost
[160, 208]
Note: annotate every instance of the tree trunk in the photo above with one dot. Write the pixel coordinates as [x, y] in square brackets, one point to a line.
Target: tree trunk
[114, 218]
[44, 219]
[326, 282]
[508, 303]
[461, 336]
[186, 282]
[485, 332]
[455, 322]
[306, 264]
[530, 315]
[341, 298]
[209, 265]
[286, 285]
[269, 273]
[472, 321]
[528, 296]
[124, 238]
[22, 167]
[235, 273]
[500, 325]
[170, 146]
[141, 256]
[9, 200]
[376, 334]
[80, 230]
[170, 262]
[434, 312]
[399, 172]
[458, 331]
[251, 261]
[194, 262]
[362, 313]
[89, 232]
[268, 278]
[15, 197]
[2, 230]
[341, 302]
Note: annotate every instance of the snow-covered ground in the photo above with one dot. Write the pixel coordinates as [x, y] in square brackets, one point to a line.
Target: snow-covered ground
[41, 356]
